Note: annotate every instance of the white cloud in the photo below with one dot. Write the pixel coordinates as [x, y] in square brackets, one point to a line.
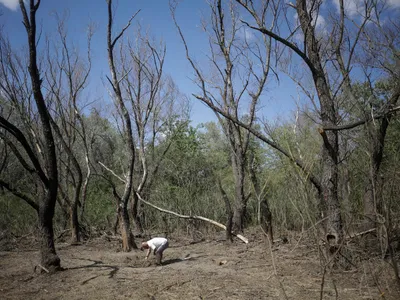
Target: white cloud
[357, 7]
[10, 4]
[394, 3]
[320, 22]
[246, 33]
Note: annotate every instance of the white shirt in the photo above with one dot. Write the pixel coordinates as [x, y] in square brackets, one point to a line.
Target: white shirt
[155, 243]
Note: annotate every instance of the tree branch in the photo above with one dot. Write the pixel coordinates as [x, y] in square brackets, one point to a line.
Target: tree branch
[112, 172]
[361, 122]
[259, 135]
[239, 236]
[20, 195]
[12, 129]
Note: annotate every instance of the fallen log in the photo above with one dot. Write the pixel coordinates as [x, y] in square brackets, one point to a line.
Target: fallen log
[239, 236]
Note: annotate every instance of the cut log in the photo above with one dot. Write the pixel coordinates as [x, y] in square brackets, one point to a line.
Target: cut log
[239, 236]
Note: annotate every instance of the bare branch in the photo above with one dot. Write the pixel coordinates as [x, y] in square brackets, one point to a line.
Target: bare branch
[112, 172]
[259, 135]
[22, 140]
[239, 236]
[20, 195]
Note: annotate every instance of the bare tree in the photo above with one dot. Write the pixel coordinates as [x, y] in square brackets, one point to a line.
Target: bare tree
[151, 98]
[240, 68]
[337, 51]
[380, 45]
[122, 201]
[66, 78]
[43, 161]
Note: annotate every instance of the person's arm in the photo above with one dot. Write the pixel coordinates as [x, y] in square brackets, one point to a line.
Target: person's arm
[148, 253]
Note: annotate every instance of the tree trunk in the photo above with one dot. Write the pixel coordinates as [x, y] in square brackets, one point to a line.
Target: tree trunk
[136, 215]
[127, 237]
[229, 213]
[371, 198]
[49, 258]
[329, 197]
[75, 235]
[122, 202]
[266, 220]
[238, 218]
[239, 213]
[377, 142]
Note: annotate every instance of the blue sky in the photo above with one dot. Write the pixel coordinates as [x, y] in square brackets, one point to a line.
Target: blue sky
[155, 15]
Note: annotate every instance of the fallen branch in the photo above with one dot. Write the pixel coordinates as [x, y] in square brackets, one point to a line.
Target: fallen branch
[43, 268]
[239, 236]
[360, 233]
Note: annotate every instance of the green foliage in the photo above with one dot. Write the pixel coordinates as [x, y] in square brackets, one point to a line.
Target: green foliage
[16, 217]
[100, 205]
[186, 179]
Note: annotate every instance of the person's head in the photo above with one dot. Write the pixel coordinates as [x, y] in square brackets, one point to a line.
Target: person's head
[144, 246]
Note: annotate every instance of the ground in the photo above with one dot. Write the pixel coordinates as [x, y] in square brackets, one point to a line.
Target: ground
[209, 269]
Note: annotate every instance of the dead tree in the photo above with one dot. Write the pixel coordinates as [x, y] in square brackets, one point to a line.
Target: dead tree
[66, 79]
[384, 57]
[115, 81]
[241, 68]
[151, 101]
[43, 164]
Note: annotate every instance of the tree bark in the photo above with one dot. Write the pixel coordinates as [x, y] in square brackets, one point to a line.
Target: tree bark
[136, 215]
[48, 256]
[128, 242]
[229, 213]
[239, 214]
[75, 235]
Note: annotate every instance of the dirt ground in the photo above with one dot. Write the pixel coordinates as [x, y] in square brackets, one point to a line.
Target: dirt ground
[209, 269]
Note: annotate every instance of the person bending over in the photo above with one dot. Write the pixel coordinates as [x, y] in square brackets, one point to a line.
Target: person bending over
[158, 245]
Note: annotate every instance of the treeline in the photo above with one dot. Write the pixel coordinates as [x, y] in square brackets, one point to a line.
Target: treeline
[70, 168]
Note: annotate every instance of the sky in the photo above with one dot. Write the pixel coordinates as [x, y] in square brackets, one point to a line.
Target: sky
[278, 100]
[154, 15]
